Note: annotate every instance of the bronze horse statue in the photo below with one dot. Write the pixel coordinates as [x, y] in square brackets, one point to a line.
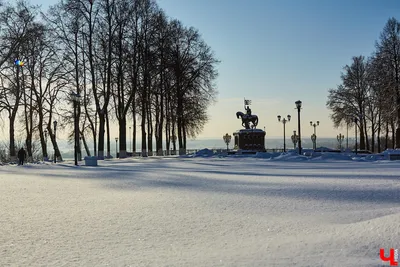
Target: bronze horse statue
[247, 118]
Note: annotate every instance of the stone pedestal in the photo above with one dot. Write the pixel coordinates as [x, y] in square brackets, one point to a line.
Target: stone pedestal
[250, 140]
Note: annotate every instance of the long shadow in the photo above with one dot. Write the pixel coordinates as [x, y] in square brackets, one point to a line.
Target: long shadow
[373, 196]
[193, 179]
[117, 170]
[304, 175]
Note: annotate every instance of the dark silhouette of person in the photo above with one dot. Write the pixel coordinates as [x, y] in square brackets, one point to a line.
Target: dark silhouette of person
[21, 156]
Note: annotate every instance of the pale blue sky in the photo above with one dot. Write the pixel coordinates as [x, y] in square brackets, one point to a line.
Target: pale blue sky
[278, 51]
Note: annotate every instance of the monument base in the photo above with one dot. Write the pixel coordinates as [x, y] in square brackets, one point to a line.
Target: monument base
[250, 141]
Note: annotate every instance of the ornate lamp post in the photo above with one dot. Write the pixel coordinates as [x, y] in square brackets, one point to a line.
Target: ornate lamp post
[298, 107]
[314, 135]
[284, 121]
[227, 139]
[340, 139]
[116, 147]
[294, 138]
[55, 141]
[75, 98]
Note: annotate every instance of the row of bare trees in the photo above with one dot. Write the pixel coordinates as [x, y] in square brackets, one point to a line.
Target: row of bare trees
[129, 62]
[369, 95]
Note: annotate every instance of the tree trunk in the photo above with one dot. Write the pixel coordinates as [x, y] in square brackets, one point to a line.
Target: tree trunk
[387, 136]
[179, 124]
[122, 137]
[95, 135]
[362, 135]
[85, 145]
[366, 133]
[393, 133]
[53, 139]
[157, 125]
[184, 136]
[13, 155]
[143, 126]
[108, 137]
[161, 125]
[398, 114]
[26, 116]
[379, 132]
[372, 139]
[101, 134]
[149, 129]
[134, 134]
[174, 135]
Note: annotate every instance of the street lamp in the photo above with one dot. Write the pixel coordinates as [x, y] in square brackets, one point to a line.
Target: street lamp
[116, 147]
[295, 139]
[55, 141]
[284, 121]
[75, 98]
[298, 106]
[314, 135]
[227, 139]
[340, 139]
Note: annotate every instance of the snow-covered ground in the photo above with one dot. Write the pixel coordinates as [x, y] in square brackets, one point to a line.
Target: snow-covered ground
[228, 211]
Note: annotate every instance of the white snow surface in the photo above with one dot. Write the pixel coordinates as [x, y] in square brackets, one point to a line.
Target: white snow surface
[232, 211]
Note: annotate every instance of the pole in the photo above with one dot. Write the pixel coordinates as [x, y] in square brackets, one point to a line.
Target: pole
[116, 148]
[298, 121]
[76, 136]
[284, 137]
[315, 134]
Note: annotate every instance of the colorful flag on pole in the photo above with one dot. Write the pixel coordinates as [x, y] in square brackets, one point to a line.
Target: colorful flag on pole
[19, 62]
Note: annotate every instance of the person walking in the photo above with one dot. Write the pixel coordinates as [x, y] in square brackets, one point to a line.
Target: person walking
[21, 156]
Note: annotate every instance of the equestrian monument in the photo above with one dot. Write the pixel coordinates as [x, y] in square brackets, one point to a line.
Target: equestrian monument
[250, 139]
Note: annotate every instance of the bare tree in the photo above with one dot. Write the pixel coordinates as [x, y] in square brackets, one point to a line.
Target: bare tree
[349, 99]
[388, 50]
[15, 22]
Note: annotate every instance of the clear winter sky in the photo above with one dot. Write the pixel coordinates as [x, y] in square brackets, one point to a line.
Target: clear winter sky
[275, 52]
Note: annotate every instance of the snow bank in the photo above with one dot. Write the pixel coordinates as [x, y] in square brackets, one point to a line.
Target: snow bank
[290, 156]
[331, 156]
[267, 155]
[205, 153]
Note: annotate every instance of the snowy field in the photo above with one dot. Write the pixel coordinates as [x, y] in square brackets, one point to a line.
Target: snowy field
[200, 212]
